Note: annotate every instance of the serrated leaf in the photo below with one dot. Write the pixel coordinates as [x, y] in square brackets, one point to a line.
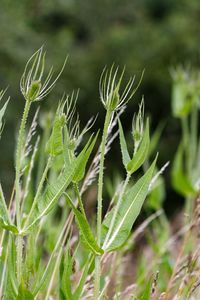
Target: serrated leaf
[127, 213]
[54, 190]
[86, 234]
[123, 145]
[142, 152]
[180, 181]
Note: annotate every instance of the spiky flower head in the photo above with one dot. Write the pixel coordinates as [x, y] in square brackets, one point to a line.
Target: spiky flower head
[111, 94]
[34, 86]
[138, 125]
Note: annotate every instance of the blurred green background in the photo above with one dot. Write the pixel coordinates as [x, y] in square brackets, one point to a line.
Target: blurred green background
[153, 35]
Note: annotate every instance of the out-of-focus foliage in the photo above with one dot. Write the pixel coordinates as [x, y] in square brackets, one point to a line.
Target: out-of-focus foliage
[142, 34]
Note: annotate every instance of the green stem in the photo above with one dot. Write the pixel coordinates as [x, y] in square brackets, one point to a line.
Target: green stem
[99, 203]
[19, 155]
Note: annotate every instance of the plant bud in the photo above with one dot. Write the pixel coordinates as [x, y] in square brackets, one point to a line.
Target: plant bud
[34, 90]
[114, 100]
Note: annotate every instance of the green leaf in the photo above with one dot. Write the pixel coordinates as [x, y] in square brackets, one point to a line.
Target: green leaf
[140, 156]
[65, 273]
[2, 112]
[24, 294]
[125, 155]
[180, 181]
[53, 191]
[128, 212]
[4, 215]
[54, 145]
[80, 287]
[80, 172]
[10, 287]
[86, 234]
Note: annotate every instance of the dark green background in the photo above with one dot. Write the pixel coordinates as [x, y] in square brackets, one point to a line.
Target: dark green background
[143, 34]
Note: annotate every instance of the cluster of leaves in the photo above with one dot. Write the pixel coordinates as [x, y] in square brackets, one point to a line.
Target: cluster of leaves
[29, 268]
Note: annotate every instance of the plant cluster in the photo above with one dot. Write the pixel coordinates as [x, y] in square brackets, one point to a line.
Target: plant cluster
[49, 247]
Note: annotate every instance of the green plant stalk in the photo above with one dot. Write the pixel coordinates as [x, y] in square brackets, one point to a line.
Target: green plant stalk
[99, 203]
[117, 207]
[19, 153]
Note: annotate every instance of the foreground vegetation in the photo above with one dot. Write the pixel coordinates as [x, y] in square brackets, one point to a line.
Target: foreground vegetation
[51, 247]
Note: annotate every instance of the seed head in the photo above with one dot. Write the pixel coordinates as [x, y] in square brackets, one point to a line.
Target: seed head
[34, 86]
[111, 94]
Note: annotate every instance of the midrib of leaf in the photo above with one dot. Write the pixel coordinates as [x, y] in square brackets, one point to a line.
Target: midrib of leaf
[124, 218]
[63, 187]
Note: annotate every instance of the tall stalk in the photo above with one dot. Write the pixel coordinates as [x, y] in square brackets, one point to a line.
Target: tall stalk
[19, 154]
[99, 203]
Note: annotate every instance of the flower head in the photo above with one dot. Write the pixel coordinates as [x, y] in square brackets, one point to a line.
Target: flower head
[138, 126]
[111, 94]
[34, 86]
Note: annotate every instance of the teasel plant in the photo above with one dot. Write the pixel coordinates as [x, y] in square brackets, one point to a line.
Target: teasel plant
[38, 245]
[185, 107]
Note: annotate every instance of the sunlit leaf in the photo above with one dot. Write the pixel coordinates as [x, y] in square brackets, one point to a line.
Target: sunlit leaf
[127, 213]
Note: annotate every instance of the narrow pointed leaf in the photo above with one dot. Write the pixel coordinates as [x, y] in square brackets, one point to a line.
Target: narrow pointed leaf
[54, 190]
[128, 212]
[140, 156]
[79, 174]
[123, 145]
[85, 230]
[4, 215]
